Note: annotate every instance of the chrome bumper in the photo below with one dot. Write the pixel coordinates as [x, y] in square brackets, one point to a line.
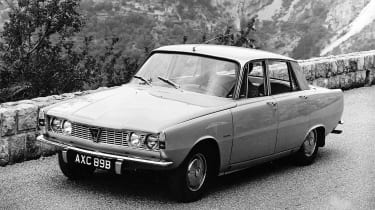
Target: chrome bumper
[119, 159]
[338, 129]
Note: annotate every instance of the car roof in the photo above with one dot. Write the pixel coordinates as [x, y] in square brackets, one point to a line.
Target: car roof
[239, 54]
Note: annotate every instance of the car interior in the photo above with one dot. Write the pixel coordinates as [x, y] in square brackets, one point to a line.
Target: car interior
[222, 84]
[280, 80]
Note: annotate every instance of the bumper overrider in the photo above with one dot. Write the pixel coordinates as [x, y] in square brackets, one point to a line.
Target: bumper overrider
[121, 161]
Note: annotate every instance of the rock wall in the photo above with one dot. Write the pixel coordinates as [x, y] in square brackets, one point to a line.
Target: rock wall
[18, 120]
[342, 71]
[18, 128]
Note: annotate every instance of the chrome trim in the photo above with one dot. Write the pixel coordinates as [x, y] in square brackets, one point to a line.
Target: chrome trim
[118, 166]
[118, 137]
[65, 156]
[41, 138]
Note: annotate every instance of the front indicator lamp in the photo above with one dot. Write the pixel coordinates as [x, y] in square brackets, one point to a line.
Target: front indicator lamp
[42, 121]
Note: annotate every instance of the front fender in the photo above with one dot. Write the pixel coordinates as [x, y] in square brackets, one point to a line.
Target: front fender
[181, 138]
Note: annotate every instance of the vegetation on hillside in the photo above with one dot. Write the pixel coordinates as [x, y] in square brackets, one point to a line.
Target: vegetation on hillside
[37, 51]
[316, 35]
[53, 46]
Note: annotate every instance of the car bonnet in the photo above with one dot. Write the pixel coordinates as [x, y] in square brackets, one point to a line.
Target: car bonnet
[141, 108]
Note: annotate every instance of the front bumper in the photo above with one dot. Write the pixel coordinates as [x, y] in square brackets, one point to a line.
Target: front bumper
[131, 162]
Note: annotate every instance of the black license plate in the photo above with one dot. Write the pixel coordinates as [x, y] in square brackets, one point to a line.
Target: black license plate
[90, 160]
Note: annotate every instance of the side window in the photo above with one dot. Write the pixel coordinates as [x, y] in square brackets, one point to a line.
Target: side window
[282, 79]
[253, 80]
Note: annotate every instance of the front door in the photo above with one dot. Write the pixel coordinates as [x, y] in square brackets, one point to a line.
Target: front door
[255, 129]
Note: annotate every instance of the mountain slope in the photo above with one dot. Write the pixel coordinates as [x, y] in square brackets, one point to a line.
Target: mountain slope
[298, 28]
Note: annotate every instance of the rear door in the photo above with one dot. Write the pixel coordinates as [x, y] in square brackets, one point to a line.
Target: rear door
[255, 117]
[292, 105]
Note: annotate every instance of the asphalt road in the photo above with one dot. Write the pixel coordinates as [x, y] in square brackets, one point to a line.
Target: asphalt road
[343, 177]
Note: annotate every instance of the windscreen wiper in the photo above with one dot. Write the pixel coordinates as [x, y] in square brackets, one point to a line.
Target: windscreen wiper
[143, 79]
[169, 82]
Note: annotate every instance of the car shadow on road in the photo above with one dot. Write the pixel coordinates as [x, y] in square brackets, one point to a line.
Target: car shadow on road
[150, 186]
[281, 167]
[253, 174]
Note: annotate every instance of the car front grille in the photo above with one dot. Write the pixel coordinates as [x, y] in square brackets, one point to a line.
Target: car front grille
[81, 131]
[107, 136]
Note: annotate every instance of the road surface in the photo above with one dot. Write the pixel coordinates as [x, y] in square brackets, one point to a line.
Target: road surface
[343, 177]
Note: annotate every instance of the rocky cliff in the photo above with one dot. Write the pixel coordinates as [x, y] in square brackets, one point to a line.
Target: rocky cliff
[298, 28]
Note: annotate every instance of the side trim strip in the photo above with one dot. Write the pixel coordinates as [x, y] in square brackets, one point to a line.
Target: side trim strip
[41, 138]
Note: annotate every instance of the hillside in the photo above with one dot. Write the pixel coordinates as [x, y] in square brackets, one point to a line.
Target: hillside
[298, 28]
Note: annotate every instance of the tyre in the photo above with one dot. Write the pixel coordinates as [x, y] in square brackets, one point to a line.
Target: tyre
[189, 181]
[309, 149]
[74, 171]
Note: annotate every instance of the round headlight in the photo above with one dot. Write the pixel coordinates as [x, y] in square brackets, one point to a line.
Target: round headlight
[152, 142]
[56, 124]
[67, 127]
[135, 140]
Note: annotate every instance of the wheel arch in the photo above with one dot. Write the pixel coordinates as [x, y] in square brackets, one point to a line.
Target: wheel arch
[212, 146]
[320, 130]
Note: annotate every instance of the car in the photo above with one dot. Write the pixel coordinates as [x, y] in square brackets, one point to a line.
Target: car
[194, 112]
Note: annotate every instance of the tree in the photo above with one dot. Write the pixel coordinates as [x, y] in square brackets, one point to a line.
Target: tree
[241, 38]
[38, 50]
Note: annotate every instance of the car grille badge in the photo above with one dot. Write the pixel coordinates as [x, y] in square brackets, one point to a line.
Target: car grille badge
[95, 134]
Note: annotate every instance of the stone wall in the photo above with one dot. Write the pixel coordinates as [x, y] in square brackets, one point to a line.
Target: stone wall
[18, 120]
[18, 128]
[342, 71]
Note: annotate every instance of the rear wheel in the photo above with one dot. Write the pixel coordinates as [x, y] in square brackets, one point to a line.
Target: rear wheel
[74, 171]
[309, 149]
[189, 181]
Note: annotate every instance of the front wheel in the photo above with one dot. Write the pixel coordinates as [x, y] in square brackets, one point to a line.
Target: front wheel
[189, 181]
[309, 149]
[74, 171]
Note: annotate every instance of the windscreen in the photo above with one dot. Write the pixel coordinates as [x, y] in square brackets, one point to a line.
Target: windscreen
[194, 73]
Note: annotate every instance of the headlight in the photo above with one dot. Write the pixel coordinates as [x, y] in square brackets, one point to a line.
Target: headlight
[56, 124]
[135, 140]
[152, 142]
[67, 127]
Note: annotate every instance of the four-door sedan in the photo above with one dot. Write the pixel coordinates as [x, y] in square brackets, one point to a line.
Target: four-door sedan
[195, 112]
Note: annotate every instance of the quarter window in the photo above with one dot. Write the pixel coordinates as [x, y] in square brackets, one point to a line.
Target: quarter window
[301, 78]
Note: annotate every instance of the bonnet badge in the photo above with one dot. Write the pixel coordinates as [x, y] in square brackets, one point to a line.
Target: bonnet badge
[95, 134]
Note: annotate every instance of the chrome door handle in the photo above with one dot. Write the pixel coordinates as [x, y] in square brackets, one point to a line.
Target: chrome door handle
[303, 97]
[273, 104]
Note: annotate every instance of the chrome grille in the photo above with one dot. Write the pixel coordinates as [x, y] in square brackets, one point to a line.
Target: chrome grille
[81, 131]
[114, 137]
[107, 136]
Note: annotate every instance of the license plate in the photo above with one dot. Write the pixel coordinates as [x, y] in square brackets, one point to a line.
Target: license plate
[89, 160]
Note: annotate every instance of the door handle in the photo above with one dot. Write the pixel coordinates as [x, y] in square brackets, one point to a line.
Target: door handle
[273, 104]
[303, 97]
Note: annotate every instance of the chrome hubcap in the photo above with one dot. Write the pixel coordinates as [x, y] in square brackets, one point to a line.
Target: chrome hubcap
[196, 172]
[309, 144]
